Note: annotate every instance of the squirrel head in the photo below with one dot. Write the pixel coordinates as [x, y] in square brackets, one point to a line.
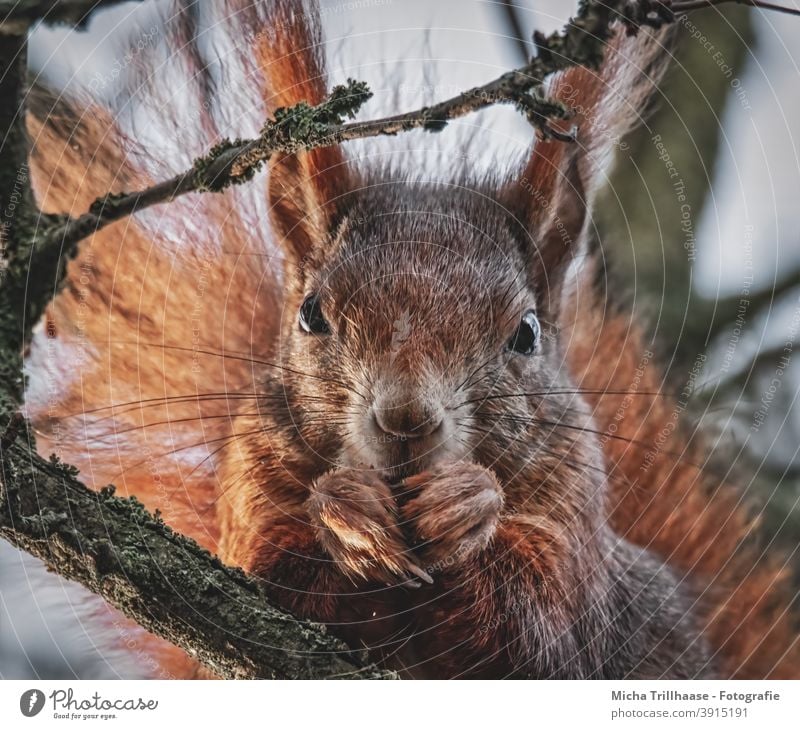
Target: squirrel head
[421, 319]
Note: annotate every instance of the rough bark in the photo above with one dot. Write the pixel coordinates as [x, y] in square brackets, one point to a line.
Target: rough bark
[162, 580]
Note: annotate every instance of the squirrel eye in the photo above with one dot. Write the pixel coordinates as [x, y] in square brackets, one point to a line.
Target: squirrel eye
[526, 337]
[311, 318]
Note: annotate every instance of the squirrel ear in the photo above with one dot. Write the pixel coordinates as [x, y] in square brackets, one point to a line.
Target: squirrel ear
[304, 189]
[560, 179]
[555, 210]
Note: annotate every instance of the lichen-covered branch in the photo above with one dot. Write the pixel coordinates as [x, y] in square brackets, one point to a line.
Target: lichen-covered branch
[582, 41]
[160, 579]
[17, 213]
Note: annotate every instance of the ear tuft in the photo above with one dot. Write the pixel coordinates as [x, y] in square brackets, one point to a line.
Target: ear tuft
[557, 185]
[555, 210]
[305, 190]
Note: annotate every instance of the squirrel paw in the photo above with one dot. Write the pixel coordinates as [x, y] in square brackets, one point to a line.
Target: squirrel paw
[354, 513]
[453, 511]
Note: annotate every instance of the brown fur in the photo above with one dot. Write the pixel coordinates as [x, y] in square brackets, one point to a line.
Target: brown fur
[678, 509]
[549, 552]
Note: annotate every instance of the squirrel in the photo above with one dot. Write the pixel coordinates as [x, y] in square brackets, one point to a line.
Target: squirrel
[406, 405]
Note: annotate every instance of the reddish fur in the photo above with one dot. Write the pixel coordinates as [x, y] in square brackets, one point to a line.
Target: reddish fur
[684, 512]
[679, 512]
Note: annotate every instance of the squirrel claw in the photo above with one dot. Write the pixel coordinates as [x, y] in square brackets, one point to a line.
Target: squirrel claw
[421, 573]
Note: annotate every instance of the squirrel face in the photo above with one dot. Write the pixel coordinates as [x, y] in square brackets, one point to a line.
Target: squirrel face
[417, 322]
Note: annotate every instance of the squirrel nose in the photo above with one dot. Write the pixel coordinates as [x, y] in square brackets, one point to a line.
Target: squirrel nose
[407, 417]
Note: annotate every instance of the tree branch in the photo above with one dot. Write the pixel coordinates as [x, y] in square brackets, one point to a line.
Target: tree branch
[17, 211]
[160, 579]
[582, 42]
[511, 15]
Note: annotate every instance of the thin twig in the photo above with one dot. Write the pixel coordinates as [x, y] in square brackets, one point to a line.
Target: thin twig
[511, 13]
[582, 42]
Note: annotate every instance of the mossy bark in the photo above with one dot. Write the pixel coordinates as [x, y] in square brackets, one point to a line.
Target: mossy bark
[160, 579]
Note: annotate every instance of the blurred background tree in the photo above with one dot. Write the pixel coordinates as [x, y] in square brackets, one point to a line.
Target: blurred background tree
[645, 225]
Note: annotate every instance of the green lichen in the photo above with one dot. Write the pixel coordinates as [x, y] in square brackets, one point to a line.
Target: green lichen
[293, 128]
[302, 126]
[209, 175]
[107, 203]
